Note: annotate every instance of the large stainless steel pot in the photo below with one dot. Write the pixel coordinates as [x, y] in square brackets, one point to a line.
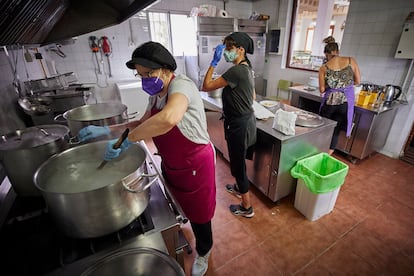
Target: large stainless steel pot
[136, 261]
[23, 151]
[86, 202]
[100, 114]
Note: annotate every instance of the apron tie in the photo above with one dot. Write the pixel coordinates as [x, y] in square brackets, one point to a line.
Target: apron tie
[350, 97]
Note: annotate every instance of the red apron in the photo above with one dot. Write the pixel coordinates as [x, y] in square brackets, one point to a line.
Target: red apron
[189, 171]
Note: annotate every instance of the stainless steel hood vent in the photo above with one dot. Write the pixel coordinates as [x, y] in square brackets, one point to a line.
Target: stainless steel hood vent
[49, 21]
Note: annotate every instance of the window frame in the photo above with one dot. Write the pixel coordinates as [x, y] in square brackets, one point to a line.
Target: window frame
[312, 58]
[168, 29]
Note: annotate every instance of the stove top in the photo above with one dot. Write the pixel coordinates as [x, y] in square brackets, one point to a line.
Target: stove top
[31, 243]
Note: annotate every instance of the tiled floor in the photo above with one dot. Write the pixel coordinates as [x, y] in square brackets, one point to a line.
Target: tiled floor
[369, 232]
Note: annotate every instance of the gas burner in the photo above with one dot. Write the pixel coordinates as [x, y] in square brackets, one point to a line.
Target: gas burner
[30, 234]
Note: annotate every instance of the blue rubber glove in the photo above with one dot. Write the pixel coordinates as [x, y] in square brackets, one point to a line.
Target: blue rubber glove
[217, 54]
[111, 153]
[91, 132]
[125, 144]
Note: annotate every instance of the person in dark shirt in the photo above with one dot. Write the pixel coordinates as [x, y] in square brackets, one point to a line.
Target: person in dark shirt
[239, 120]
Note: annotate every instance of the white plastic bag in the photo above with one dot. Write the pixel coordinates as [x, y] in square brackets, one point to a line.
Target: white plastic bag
[284, 122]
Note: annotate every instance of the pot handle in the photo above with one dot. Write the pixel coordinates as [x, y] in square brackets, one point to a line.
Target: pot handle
[74, 140]
[56, 119]
[136, 180]
[133, 115]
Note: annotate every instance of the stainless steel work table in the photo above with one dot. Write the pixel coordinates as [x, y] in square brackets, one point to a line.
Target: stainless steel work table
[371, 125]
[275, 153]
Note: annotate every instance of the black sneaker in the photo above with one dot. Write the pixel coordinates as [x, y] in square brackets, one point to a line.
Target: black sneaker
[233, 189]
[239, 210]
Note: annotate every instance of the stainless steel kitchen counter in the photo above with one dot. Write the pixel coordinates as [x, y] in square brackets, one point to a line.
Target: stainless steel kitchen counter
[216, 104]
[371, 124]
[301, 91]
[275, 153]
[210, 103]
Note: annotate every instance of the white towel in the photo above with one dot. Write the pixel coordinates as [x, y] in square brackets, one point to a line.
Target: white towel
[261, 112]
[284, 122]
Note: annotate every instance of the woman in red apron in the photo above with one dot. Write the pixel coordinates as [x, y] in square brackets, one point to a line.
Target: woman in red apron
[176, 121]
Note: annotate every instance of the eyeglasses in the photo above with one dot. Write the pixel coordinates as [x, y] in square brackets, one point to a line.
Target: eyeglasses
[144, 75]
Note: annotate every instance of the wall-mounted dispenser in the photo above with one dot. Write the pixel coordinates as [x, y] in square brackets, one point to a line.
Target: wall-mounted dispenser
[275, 41]
[405, 47]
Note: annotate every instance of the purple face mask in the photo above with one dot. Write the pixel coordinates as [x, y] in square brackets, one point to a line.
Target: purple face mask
[152, 85]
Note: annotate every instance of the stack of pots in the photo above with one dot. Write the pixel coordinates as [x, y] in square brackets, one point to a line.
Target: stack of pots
[23, 151]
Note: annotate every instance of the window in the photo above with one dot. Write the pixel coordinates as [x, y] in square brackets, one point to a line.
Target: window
[177, 32]
[160, 28]
[312, 21]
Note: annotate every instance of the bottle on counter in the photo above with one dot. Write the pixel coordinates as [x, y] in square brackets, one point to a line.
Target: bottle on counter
[380, 98]
[364, 96]
[373, 95]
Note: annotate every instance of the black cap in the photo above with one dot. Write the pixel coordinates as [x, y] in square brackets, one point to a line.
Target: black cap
[244, 40]
[152, 55]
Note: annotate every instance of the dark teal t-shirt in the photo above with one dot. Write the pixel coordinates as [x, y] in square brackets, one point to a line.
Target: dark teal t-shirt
[238, 95]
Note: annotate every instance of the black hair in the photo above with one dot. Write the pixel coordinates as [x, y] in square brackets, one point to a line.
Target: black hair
[331, 45]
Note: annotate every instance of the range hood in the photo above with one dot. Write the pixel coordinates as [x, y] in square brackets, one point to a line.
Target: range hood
[50, 21]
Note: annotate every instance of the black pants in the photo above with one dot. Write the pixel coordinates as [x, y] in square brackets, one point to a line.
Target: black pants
[203, 236]
[339, 114]
[240, 133]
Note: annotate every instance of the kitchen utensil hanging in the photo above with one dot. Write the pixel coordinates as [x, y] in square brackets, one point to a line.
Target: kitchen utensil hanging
[39, 57]
[93, 44]
[101, 78]
[56, 49]
[12, 59]
[27, 58]
[106, 48]
[27, 55]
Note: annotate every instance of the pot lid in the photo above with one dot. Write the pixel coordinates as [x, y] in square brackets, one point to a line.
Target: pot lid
[136, 261]
[92, 112]
[308, 119]
[32, 137]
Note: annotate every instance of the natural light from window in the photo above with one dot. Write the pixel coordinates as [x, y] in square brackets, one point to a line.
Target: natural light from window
[177, 32]
[312, 21]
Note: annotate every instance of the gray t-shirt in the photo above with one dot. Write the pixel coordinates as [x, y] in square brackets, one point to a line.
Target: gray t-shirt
[194, 124]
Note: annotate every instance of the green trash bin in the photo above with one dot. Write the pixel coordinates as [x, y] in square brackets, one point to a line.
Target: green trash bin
[319, 179]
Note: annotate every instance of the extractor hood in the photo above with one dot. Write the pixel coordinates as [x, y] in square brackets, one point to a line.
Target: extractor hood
[49, 21]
